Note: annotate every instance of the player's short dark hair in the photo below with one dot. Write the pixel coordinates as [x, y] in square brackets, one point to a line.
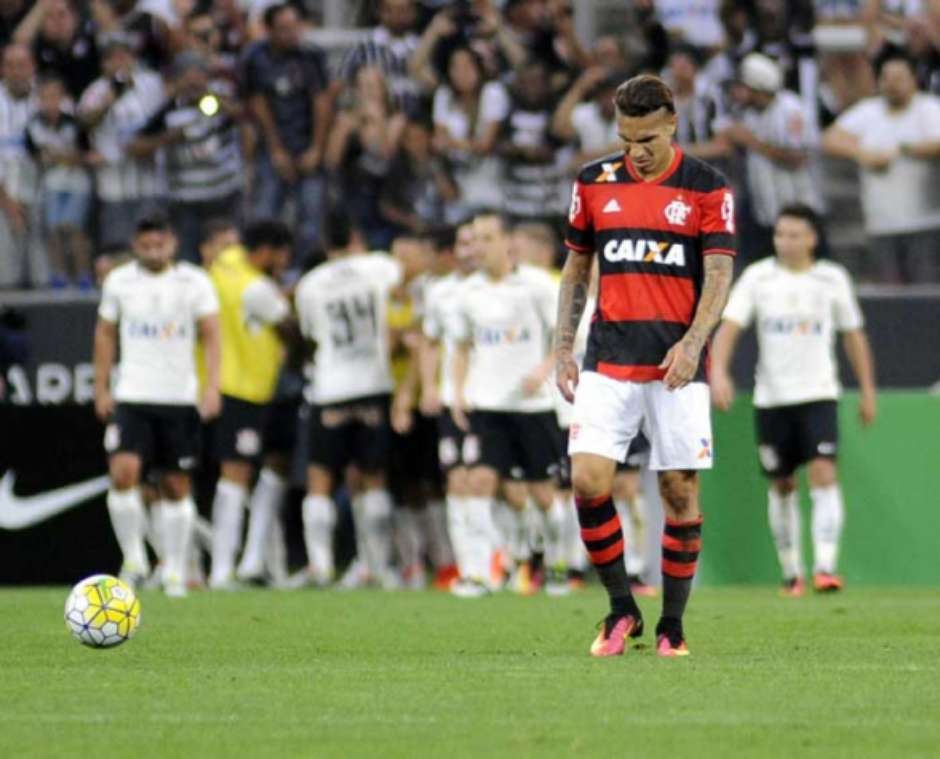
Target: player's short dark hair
[50, 77]
[891, 54]
[214, 227]
[152, 220]
[801, 211]
[504, 219]
[338, 230]
[643, 94]
[443, 238]
[271, 233]
[272, 12]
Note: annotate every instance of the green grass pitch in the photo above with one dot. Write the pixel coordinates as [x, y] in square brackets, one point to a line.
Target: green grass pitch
[314, 674]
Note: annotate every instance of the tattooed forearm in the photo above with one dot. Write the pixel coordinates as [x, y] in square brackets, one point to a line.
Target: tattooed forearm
[718, 275]
[572, 299]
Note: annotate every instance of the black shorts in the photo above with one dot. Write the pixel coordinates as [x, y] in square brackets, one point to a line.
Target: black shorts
[517, 445]
[413, 458]
[166, 437]
[638, 455]
[356, 431]
[280, 432]
[455, 448]
[790, 436]
[239, 430]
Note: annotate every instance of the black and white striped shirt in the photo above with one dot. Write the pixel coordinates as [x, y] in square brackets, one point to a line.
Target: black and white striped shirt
[390, 55]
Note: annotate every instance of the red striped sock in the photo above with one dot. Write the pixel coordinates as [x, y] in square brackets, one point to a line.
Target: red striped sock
[682, 542]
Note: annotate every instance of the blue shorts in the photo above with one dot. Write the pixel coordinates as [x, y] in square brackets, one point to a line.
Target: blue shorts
[65, 209]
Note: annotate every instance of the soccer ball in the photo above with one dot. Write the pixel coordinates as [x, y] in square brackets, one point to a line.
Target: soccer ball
[102, 611]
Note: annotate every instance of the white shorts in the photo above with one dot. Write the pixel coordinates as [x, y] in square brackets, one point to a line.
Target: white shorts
[608, 414]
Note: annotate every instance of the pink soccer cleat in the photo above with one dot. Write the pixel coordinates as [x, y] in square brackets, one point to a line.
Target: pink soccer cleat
[612, 638]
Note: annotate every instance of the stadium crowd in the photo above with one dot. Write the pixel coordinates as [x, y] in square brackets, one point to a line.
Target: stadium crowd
[228, 111]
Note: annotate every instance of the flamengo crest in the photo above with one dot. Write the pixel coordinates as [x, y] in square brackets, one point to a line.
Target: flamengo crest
[677, 212]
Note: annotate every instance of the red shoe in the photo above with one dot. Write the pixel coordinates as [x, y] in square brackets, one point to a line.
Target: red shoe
[670, 640]
[826, 582]
[793, 588]
[612, 638]
[643, 590]
[445, 577]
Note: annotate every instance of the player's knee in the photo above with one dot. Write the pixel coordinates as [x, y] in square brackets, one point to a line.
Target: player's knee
[588, 482]
[239, 472]
[543, 493]
[457, 483]
[175, 486]
[679, 492]
[784, 485]
[482, 482]
[821, 473]
[124, 472]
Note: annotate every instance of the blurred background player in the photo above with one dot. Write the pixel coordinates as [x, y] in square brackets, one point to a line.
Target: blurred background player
[153, 310]
[662, 228]
[503, 327]
[254, 318]
[342, 307]
[456, 449]
[797, 304]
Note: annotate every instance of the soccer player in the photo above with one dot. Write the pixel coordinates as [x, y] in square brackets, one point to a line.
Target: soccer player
[661, 225]
[342, 306]
[255, 318]
[503, 327]
[456, 449]
[798, 304]
[153, 310]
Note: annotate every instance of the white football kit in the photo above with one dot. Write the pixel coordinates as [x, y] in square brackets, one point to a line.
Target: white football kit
[158, 316]
[342, 307]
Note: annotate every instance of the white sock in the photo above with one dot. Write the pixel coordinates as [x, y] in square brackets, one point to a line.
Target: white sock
[626, 527]
[783, 512]
[634, 522]
[155, 528]
[408, 536]
[458, 531]
[575, 554]
[828, 515]
[434, 521]
[126, 508]
[377, 530]
[479, 521]
[550, 527]
[228, 509]
[263, 510]
[518, 535]
[502, 520]
[178, 518]
[275, 550]
[319, 515]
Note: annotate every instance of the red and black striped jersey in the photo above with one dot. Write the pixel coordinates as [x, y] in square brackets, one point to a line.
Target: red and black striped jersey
[651, 239]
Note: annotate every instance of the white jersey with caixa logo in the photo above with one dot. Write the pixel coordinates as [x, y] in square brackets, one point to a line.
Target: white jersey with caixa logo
[509, 324]
[440, 311]
[158, 317]
[342, 307]
[797, 314]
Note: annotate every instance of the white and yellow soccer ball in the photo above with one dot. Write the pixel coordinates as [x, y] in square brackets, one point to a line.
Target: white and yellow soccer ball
[102, 611]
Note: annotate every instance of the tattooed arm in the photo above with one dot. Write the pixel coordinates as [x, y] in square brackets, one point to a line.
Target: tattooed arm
[682, 359]
[572, 300]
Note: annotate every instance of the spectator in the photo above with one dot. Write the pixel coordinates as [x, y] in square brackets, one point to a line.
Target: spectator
[58, 145]
[286, 86]
[22, 257]
[197, 133]
[63, 42]
[468, 115]
[696, 22]
[148, 34]
[697, 107]
[894, 138]
[217, 235]
[776, 144]
[206, 38]
[842, 35]
[113, 109]
[12, 13]
[533, 160]
[361, 145]
[389, 47]
[587, 114]
[610, 53]
[546, 32]
[418, 186]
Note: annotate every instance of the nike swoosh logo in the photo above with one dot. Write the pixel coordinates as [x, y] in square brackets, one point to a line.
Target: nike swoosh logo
[17, 513]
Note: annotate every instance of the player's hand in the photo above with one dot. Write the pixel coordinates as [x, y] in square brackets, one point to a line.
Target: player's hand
[680, 364]
[310, 161]
[430, 404]
[867, 408]
[566, 375]
[459, 414]
[532, 383]
[402, 416]
[876, 160]
[104, 405]
[211, 404]
[283, 164]
[722, 387]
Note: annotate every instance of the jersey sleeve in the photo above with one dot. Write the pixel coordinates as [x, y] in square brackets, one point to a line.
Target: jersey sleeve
[264, 303]
[580, 234]
[717, 222]
[431, 323]
[740, 308]
[847, 314]
[110, 307]
[205, 299]
[304, 307]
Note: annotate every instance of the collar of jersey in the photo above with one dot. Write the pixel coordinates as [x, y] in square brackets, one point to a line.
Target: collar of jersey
[676, 160]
